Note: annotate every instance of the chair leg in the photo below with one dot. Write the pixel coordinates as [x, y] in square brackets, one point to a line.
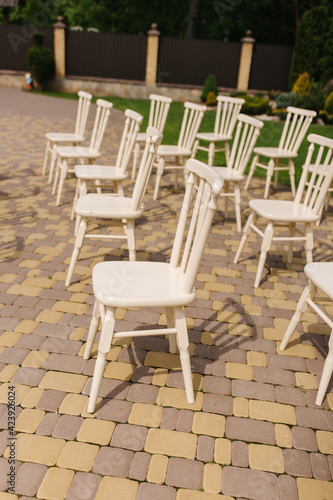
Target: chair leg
[63, 174]
[56, 176]
[308, 243]
[46, 157]
[270, 170]
[247, 230]
[103, 348]
[195, 148]
[238, 207]
[226, 187]
[251, 172]
[92, 330]
[227, 152]
[211, 154]
[292, 177]
[308, 292]
[129, 227]
[183, 344]
[159, 173]
[171, 324]
[136, 154]
[76, 250]
[292, 231]
[327, 373]
[265, 246]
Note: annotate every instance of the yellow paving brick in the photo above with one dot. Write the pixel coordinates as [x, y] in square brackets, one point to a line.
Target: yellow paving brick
[239, 371]
[212, 478]
[48, 250]
[8, 278]
[299, 350]
[266, 458]
[240, 330]
[252, 309]
[278, 333]
[176, 398]
[20, 392]
[28, 420]
[330, 400]
[145, 414]
[39, 282]
[79, 297]
[73, 404]
[228, 316]
[162, 360]
[207, 338]
[29, 291]
[325, 442]
[273, 412]
[77, 456]
[35, 359]
[256, 358]
[32, 397]
[70, 307]
[30, 264]
[200, 495]
[55, 484]
[8, 372]
[77, 333]
[283, 436]
[119, 371]
[222, 451]
[160, 377]
[206, 277]
[208, 424]
[157, 469]
[37, 449]
[121, 489]
[203, 294]
[59, 381]
[8, 339]
[282, 304]
[26, 326]
[313, 489]
[96, 431]
[306, 380]
[219, 287]
[224, 271]
[171, 443]
[49, 317]
[241, 407]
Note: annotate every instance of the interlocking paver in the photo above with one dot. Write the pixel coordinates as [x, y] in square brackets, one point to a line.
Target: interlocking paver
[77, 456]
[184, 473]
[121, 488]
[55, 484]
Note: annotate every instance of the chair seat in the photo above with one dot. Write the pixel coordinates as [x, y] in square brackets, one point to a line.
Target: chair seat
[172, 150]
[228, 174]
[77, 152]
[139, 284]
[283, 210]
[274, 153]
[100, 172]
[321, 273]
[63, 137]
[211, 137]
[107, 206]
[141, 137]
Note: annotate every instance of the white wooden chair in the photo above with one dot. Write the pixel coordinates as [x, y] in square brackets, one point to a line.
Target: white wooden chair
[293, 133]
[320, 276]
[304, 210]
[228, 109]
[247, 133]
[89, 154]
[173, 157]
[115, 210]
[106, 175]
[149, 284]
[53, 139]
[159, 109]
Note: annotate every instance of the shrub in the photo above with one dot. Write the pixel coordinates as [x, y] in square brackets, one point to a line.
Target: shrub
[254, 105]
[285, 99]
[313, 99]
[211, 99]
[209, 86]
[40, 61]
[328, 106]
[272, 94]
[327, 118]
[302, 84]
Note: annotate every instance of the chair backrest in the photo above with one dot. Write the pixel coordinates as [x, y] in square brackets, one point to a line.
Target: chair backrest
[154, 139]
[295, 127]
[101, 120]
[159, 109]
[203, 187]
[193, 115]
[82, 112]
[315, 180]
[228, 109]
[131, 128]
[247, 133]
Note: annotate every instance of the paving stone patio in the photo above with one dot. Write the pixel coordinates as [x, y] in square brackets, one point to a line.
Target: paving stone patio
[254, 431]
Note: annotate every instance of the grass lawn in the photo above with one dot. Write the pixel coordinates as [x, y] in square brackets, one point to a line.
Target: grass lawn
[269, 136]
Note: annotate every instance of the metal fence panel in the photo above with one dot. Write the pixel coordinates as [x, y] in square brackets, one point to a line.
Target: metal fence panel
[183, 61]
[14, 43]
[270, 67]
[106, 55]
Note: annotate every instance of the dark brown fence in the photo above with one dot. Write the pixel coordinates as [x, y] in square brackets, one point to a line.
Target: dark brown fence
[14, 43]
[106, 55]
[270, 67]
[191, 61]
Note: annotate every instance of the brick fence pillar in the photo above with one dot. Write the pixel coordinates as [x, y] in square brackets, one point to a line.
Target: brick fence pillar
[152, 55]
[245, 62]
[59, 48]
